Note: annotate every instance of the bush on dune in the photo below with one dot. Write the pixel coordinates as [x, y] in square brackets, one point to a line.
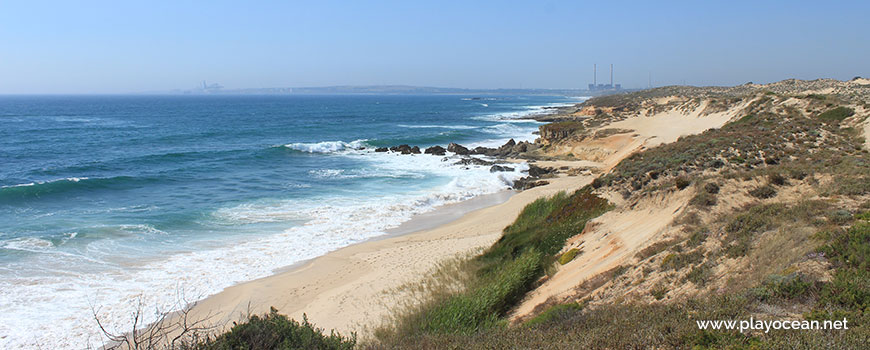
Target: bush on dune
[275, 331]
[503, 273]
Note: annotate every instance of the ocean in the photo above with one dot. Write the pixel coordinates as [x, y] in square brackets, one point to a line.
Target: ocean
[109, 202]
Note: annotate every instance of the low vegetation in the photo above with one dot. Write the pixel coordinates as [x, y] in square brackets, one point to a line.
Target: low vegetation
[502, 274]
[275, 331]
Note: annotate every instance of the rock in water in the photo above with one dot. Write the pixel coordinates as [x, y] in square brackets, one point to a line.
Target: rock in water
[436, 150]
[473, 161]
[381, 149]
[415, 150]
[404, 149]
[498, 168]
[458, 149]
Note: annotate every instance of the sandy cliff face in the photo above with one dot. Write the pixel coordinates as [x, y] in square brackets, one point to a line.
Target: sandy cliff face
[638, 251]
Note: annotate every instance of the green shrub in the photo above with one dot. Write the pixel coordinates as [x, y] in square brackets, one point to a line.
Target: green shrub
[700, 274]
[791, 286]
[849, 291]
[711, 188]
[839, 217]
[545, 224]
[274, 331]
[837, 114]
[682, 182]
[681, 260]
[504, 272]
[763, 192]
[659, 292]
[480, 307]
[703, 199]
[776, 179]
[738, 248]
[555, 313]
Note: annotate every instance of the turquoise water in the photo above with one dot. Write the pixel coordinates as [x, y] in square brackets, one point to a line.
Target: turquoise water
[106, 199]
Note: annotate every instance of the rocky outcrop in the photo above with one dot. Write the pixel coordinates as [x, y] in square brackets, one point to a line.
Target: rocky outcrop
[473, 161]
[403, 149]
[509, 149]
[536, 171]
[528, 182]
[458, 149]
[554, 132]
[436, 150]
[500, 168]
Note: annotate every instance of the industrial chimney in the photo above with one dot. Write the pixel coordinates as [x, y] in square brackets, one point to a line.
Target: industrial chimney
[611, 75]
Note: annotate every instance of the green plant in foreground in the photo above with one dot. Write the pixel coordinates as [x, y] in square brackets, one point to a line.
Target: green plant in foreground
[274, 331]
[480, 307]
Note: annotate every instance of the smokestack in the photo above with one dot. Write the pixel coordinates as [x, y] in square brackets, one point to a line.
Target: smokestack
[594, 74]
[611, 75]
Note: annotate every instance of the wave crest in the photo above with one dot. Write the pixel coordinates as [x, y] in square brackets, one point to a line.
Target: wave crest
[326, 146]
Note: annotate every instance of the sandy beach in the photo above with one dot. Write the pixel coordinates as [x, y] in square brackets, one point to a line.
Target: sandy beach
[354, 288]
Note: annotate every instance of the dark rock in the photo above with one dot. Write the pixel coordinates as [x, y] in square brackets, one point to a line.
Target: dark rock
[381, 149]
[404, 149]
[510, 143]
[415, 150]
[473, 161]
[499, 168]
[436, 150]
[506, 149]
[483, 151]
[528, 182]
[536, 171]
[458, 149]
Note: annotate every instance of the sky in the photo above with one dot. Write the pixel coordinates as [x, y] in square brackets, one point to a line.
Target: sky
[60, 47]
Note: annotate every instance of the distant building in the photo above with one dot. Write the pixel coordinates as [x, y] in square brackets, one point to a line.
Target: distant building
[211, 88]
[602, 87]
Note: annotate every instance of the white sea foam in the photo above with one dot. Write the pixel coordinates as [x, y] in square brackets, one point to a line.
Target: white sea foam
[70, 179]
[29, 244]
[322, 225]
[453, 127]
[527, 112]
[326, 146]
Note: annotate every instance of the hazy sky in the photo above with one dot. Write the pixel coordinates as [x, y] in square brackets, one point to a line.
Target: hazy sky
[134, 46]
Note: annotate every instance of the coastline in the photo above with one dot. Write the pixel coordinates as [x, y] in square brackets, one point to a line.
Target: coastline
[354, 289]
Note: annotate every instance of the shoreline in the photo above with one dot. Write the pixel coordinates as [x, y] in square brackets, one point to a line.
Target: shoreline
[441, 215]
[355, 288]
